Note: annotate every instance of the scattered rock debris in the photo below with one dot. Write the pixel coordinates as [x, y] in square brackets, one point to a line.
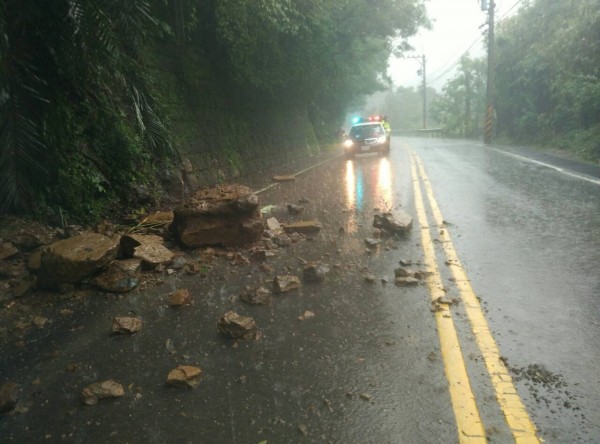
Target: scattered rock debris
[101, 390]
[256, 296]
[286, 283]
[235, 326]
[303, 429]
[306, 315]
[370, 278]
[304, 227]
[365, 397]
[149, 249]
[399, 222]
[119, 276]
[7, 250]
[406, 281]
[295, 209]
[126, 325]
[372, 243]
[180, 298]
[185, 376]
[315, 272]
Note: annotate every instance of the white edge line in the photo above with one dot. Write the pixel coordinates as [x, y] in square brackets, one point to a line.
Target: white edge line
[560, 170]
[298, 173]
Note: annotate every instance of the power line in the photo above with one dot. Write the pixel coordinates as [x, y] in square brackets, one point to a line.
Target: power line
[455, 61]
[458, 59]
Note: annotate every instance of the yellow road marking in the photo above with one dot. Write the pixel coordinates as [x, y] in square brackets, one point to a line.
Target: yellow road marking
[468, 421]
[517, 418]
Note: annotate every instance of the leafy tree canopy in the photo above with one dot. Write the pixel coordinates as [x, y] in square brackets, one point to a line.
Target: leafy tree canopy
[79, 122]
[548, 74]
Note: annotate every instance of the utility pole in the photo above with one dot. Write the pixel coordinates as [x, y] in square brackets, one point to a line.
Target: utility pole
[423, 64]
[491, 75]
[423, 61]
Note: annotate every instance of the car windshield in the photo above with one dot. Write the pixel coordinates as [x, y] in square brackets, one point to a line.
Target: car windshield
[366, 131]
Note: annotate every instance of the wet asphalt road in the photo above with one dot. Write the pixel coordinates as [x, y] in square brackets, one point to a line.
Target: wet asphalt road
[368, 366]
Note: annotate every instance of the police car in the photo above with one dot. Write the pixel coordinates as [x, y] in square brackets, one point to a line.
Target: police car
[368, 136]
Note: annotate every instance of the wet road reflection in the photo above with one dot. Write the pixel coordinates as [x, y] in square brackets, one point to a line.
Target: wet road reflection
[368, 184]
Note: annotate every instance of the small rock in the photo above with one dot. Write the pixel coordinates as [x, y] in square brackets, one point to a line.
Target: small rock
[372, 243]
[160, 218]
[239, 259]
[304, 227]
[40, 321]
[267, 268]
[365, 397]
[303, 429]
[273, 224]
[406, 281]
[178, 262]
[148, 248]
[11, 271]
[233, 325]
[7, 250]
[306, 315]
[294, 209]
[406, 262]
[260, 296]
[185, 376]
[296, 237]
[445, 300]
[125, 324]
[101, 390]
[370, 278]
[270, 244]
[72, 367]
[286, 283]
[9, 395]
[304, 200]
[258, 255]
[398, 223]
[315, 272]
[282, 240]
[207, 255]
[403, 272]
[180, 298]
[119, 276]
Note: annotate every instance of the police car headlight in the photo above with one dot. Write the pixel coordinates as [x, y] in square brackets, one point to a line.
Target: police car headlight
[381, 139]
[348, 143]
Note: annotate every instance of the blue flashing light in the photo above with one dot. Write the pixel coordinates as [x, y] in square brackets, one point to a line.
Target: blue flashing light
[355, 120]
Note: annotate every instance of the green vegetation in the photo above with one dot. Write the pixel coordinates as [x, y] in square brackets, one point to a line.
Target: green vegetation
[459, 107]
[547, 80]
[96, 96]
[548, 75]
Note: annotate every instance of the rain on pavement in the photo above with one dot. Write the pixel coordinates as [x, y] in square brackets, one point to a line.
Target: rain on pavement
[368, 367]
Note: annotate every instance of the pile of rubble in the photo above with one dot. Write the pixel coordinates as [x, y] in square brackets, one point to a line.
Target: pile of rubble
[34, 256]
[113, 259]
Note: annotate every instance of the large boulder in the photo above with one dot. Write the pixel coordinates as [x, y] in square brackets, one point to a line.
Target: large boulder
[222, 215]
[72, 260]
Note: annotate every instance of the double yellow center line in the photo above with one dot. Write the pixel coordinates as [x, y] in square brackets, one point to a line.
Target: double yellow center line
[468, 420]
